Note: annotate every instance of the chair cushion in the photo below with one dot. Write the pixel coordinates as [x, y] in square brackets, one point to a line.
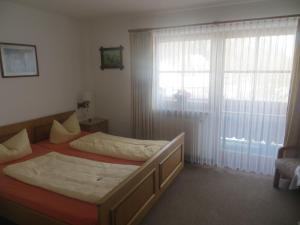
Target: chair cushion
[287, 166]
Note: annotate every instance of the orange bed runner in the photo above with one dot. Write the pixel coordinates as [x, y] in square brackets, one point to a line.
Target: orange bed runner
[68, 210]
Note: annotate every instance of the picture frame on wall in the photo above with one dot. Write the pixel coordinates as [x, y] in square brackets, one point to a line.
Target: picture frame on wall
[18, 60]
[111, 58]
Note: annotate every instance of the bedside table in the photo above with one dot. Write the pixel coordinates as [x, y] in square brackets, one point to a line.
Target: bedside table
[94, 125]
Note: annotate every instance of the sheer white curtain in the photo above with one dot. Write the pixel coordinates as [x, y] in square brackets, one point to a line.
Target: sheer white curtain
[227, 87]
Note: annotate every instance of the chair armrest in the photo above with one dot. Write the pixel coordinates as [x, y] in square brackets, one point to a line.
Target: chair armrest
[289, 152]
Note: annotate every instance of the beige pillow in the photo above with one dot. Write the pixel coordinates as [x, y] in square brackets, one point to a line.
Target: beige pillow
[72, 124]
[16, 147]
[61, 133]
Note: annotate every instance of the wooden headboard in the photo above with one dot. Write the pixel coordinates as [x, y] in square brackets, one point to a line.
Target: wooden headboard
[38, 129]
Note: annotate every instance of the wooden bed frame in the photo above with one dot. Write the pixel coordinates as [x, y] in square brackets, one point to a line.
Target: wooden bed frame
[126, 204]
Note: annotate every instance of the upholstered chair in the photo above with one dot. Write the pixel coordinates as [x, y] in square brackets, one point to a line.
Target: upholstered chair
[287, 161]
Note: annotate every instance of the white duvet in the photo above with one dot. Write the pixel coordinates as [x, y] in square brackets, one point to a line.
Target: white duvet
[118, 147]
[73, 177]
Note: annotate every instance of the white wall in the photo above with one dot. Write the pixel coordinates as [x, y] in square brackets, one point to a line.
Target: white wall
[58, 49]
[69, 58]
[112, 87]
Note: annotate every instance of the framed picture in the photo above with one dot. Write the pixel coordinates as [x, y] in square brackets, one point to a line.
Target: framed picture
[111, 58]
[18, 60]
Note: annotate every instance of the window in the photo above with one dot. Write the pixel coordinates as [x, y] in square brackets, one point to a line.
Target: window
[235, 78]
[183, 69]
[258, 68]
[257, 74]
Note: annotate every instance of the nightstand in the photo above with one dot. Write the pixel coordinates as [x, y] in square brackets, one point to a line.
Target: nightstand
[94, 125]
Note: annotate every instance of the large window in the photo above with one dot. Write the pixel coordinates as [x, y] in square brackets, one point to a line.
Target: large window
[255, 69]
[235, 78]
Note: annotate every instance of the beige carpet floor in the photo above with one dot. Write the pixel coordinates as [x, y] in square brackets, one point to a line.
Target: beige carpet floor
[203, 196]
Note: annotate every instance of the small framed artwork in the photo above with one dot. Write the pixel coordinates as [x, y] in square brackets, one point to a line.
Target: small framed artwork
[18, 60]
[111, 58]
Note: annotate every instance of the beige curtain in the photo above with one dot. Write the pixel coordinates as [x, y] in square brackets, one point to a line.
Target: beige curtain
[292, 132]
[141, 84]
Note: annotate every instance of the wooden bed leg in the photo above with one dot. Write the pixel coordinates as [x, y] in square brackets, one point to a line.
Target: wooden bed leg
[276, 179]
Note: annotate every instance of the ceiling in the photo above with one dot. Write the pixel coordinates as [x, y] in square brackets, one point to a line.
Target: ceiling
[94, 8]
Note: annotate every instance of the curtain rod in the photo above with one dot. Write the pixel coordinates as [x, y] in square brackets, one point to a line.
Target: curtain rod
[210, 23]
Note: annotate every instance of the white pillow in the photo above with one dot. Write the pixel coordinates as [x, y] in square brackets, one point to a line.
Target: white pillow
[61, 133]
[16, 147]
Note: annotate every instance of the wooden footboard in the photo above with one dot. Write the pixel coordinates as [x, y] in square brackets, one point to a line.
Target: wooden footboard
[129, 202]
[124, 205]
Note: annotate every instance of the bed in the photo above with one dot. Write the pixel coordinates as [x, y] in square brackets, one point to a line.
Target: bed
[124, 205]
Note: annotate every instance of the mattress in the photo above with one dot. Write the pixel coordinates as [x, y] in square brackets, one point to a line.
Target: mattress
[54, 205]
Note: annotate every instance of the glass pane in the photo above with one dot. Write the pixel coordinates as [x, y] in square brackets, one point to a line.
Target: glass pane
[238, 86]
[240, 54]
[196, 85]
[170, 56]
[272, 87]
[169, 84]
[276, 52]
[197, 55]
